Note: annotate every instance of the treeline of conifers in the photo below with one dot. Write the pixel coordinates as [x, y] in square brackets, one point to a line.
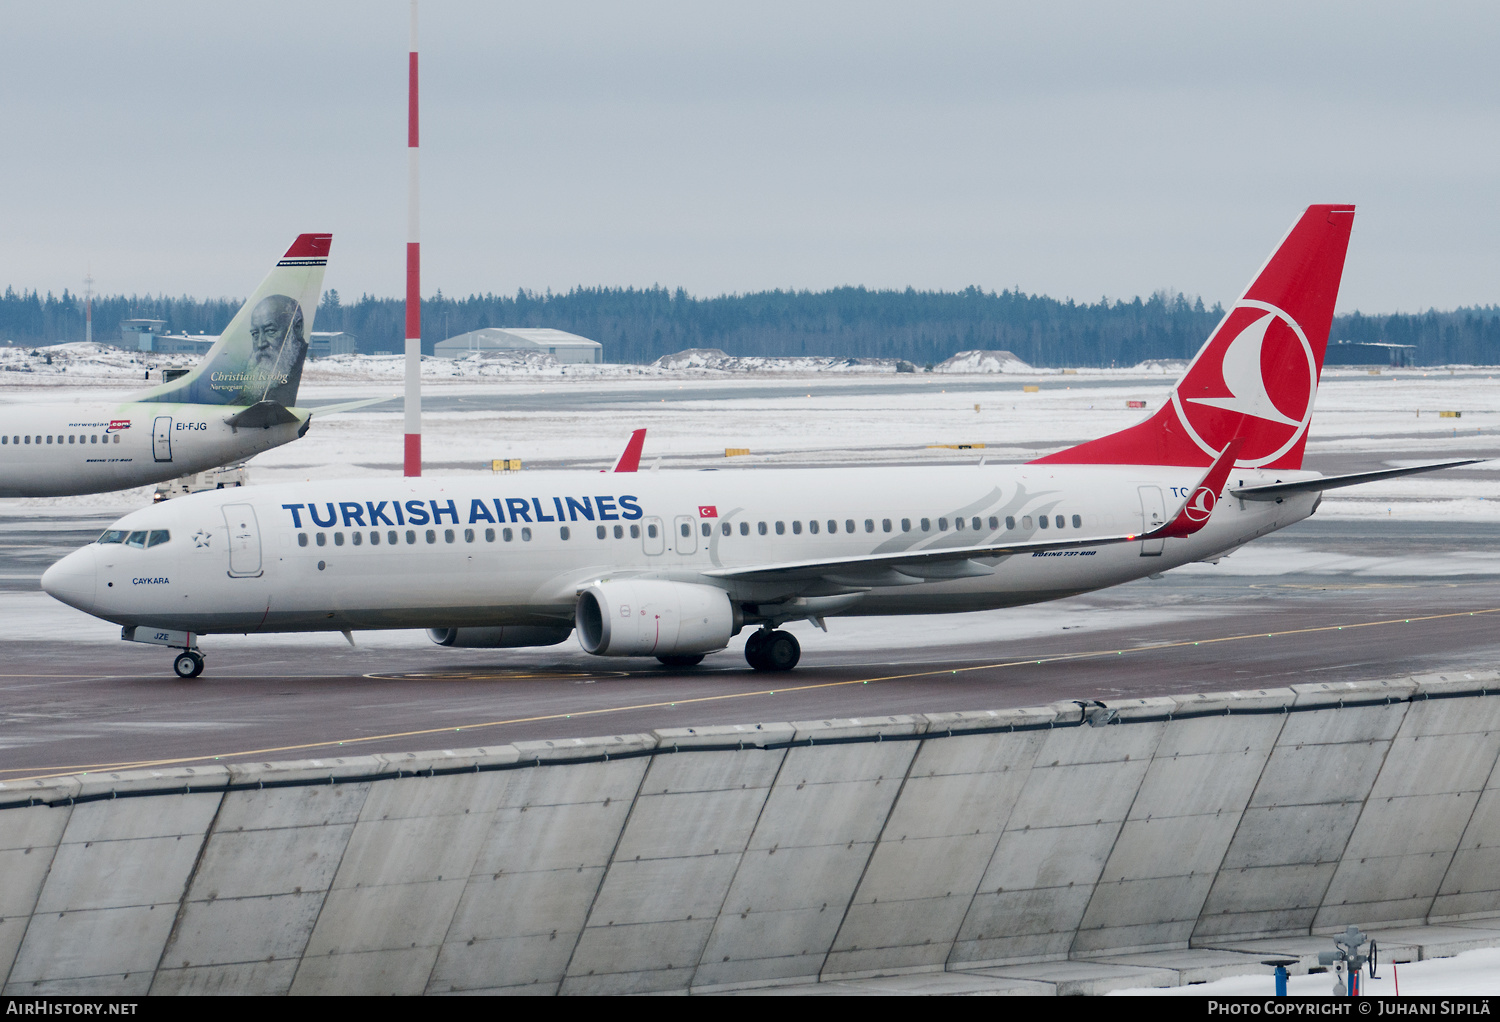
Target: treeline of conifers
[642, 324]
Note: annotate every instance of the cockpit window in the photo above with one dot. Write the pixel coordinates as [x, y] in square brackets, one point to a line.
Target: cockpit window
[113, 536]
[137, 539]
[158, 537]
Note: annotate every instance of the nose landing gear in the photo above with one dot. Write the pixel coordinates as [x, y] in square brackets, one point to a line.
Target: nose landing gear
[189, 664]
[768, 650]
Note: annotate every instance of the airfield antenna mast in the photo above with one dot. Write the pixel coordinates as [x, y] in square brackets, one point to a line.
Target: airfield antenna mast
[88, 306]
[413, 460]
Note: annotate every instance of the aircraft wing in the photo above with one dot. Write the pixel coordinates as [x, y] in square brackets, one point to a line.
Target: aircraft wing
[1276, 491]
[906, 566]
[909, 566]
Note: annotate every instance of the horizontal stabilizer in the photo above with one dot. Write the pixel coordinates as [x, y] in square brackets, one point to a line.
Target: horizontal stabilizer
[1276, 491]
[349, 406]
[262, 415]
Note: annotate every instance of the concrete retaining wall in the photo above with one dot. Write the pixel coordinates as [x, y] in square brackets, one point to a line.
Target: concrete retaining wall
[718, 857]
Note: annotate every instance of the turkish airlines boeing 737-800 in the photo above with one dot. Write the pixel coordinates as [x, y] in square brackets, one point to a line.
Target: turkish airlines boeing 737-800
[235, 403]
[672, 564]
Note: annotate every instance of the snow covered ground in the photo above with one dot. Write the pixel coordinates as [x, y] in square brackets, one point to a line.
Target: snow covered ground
[1472, 973]
[839, 419]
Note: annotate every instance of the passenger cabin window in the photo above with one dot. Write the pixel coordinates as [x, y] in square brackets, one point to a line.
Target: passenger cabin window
[1010, 523]
[374, 539]
[507, 535]
[745, 528]
[356, 538]
[1025, 521]
[761, 528]
[687, 530]
[958, 523]
[1042, 521]
[1059, 521]
[926, 525]
[489, 535]
[468, 535]
[635, 532]
[977, 524]
[432, 535]
[525, 534]
[602, 532]
[781, 528]
[564, 532]
[1078, 521]
[411, 536]
[619, 532]
[994, 523]
[651, 531]
[338, 539]
[726, 529]
[849, 525]
[113, 536]
[812, 527]
[870, 525]
[906, 525]
[301, 539]
[707, 529]
[796, 528]
[448, 536]
[321, 539]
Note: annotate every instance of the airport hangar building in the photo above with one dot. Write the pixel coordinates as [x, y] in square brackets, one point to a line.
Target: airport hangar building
[560, 344]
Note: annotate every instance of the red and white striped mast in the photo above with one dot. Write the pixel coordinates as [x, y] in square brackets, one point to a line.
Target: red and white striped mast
[413, 461]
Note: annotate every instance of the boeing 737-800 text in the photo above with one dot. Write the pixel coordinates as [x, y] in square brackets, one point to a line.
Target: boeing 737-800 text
[237, 402]
[672, 564]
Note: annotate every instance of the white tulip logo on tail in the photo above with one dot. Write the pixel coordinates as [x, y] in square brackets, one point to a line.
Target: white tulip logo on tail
[1266, 365]
[1201, 505]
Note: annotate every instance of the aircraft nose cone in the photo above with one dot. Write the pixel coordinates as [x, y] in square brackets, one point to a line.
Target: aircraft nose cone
[73, 579]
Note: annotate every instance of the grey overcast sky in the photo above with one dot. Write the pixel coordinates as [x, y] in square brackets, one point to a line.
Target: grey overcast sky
[1070, 149]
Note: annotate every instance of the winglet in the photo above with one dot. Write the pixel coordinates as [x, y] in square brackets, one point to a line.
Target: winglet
[1199, 506]
[631, 459]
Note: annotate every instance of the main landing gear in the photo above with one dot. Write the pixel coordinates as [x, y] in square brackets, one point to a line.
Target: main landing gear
[766, 650]
[189, 664]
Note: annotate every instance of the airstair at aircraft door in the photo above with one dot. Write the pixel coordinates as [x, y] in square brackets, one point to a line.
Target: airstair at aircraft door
[161, 438]
[244, 540]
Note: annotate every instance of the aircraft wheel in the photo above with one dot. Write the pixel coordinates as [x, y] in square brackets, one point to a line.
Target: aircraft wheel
[781, 651]
[755, 650]
[681, 659]
[189, 664]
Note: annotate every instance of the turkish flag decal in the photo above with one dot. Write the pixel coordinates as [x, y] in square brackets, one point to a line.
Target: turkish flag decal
[707, 511]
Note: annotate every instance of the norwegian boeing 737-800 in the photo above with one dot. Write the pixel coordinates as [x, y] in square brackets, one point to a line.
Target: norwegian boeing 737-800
[235, 403]
[672, 564]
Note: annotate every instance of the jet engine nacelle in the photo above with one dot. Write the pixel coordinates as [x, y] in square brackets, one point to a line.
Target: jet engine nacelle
[499, 637]
[648, 617]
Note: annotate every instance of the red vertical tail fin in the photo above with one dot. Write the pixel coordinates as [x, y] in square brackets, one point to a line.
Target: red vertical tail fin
[630, 459]
[1261, 363]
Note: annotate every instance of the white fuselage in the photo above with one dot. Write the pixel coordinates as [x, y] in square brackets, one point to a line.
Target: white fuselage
[516, 549]
[57, 450]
